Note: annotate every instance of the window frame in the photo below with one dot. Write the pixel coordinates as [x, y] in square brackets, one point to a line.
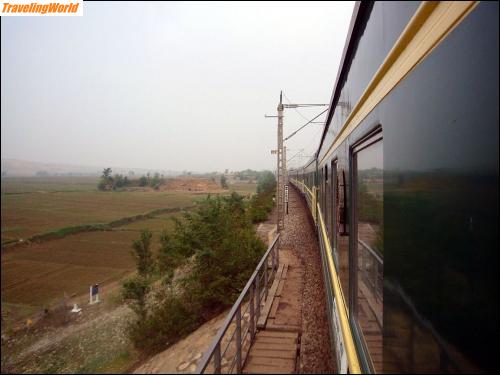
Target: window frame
[325, 193]
[334, 224]
[372, 137]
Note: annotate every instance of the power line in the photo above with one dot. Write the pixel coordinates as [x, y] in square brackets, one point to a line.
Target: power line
[313, 138]
[307, 123]
[295, 109]
[298, 152]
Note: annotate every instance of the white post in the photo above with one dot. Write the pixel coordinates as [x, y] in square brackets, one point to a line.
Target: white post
[281, 177]
[92, 299]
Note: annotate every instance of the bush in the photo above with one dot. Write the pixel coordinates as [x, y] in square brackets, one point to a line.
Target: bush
[223, 182]
[142, 253]
[226, 251]
[170, 320]
[266, 182]
[262, 203]
[134, 292]
[107, 182]
[223, 248]
[169, 257]
[101, 185]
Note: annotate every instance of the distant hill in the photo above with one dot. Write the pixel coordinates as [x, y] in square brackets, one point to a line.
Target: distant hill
[22, 168]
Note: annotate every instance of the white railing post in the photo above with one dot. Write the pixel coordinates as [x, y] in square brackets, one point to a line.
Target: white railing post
[257, 297]
[238, 340]
[217, 359]
[252, 313]
[265, 280]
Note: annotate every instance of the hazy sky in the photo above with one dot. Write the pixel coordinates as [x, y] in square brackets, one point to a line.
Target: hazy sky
[181, 86]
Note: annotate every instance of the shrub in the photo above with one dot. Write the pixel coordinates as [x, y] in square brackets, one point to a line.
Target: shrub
[223, 182]
[262, 203]
[266, 182]
[142, 253]
[169, 320]
[221, 243]
[134, 292]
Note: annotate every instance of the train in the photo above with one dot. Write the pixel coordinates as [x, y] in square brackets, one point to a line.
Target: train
[403, 190]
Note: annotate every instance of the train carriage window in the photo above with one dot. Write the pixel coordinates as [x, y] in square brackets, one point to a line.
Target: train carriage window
[334, 205]
[367, 259]
[329, 207]
[326, 200]
[341, 240]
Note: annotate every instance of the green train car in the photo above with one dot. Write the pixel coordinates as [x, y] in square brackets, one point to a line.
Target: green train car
[403, 190]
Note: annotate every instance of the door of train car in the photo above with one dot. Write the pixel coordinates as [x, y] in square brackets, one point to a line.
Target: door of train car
[367, 264]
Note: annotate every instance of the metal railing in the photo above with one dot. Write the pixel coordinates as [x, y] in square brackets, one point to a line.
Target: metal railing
[372, 269]
[229, 350]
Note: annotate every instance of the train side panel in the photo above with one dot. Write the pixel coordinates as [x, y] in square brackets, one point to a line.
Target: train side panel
[410, 200]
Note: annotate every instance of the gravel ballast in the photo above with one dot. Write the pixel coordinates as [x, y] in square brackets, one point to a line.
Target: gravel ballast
[300, 237]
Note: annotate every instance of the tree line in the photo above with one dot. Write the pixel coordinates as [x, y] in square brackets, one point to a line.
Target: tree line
[116, 181]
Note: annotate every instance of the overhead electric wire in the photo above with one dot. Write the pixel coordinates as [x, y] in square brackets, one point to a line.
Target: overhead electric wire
[295, 109]
[311, 140]
[306, 147]
[307, 123]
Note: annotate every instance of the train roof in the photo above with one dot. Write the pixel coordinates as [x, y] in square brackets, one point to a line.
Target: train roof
[353, 34]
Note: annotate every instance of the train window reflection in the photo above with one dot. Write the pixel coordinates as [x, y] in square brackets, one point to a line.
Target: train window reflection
[326, 200]
[341, 241]
[368, 250]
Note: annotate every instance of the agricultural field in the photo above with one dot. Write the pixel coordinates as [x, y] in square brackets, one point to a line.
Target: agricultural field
[39, 274]
[24, 215]
[20, 185]
[243, 187]
[25, 212]
[157, 224]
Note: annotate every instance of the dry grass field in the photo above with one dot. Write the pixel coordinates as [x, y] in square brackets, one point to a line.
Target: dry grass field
[21, 185]
[24, 215]
[26, 212]
[243, 187]
[38, 275]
